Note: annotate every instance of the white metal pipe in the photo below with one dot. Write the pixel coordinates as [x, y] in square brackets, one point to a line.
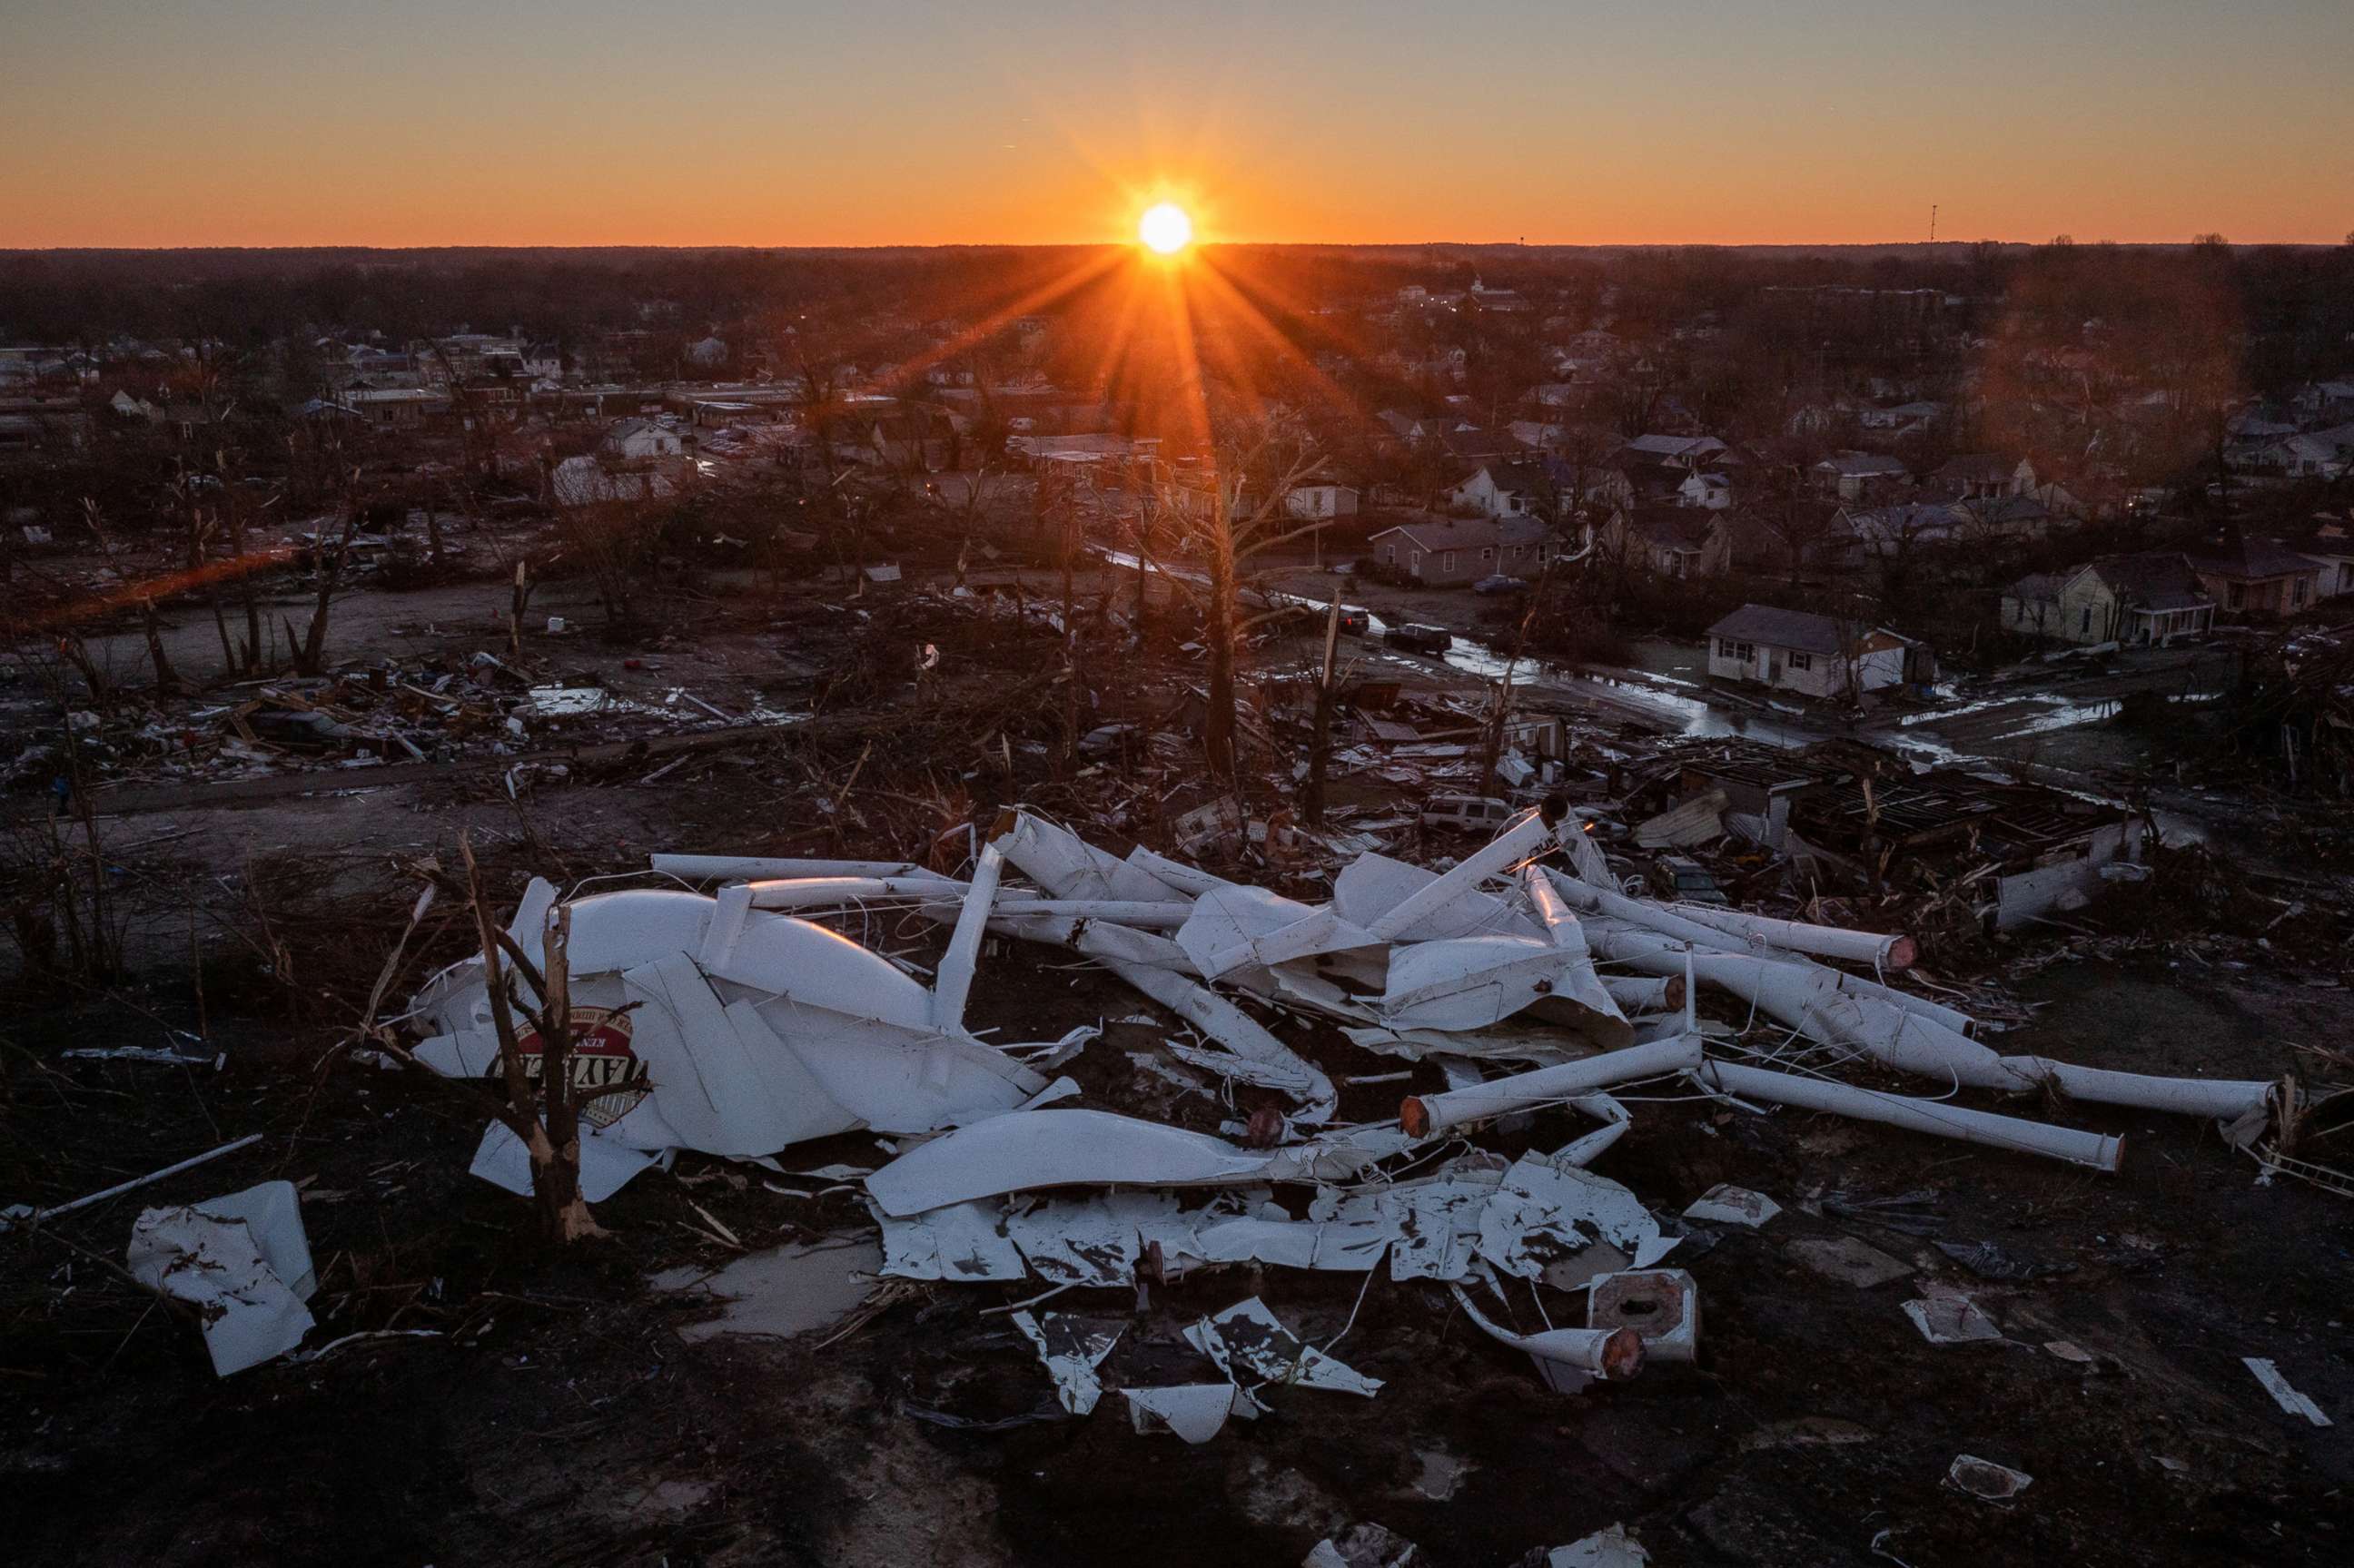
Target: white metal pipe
[954, 981]
[1889, 952]
[1595, 900]
[2102, 1151]
[1645, 993]
[762, 868]
[2225, 1099]
[1182, 879]
[1509, 848]
[1425, 1114]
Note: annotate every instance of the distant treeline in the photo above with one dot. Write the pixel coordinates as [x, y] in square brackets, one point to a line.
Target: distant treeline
[2293, 305]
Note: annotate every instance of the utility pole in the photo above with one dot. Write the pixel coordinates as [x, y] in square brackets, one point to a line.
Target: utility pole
[1933, 223]
[1311, 799]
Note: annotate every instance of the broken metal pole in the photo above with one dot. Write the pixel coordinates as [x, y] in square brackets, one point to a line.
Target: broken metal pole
[1892, 952]
[135, 1183]
[2225, 1099]
[1592, 900]
[1425, 1114]
[1645, 993]
[1516, 843]
[1062, 864]
[1940, 1119]
[764, 868]
[1568, 1358]
[954, 981]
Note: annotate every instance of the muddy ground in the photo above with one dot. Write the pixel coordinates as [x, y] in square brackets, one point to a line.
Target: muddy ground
[519, 1405]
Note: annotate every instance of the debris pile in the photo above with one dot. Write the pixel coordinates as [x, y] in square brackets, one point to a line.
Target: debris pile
[1520, 983]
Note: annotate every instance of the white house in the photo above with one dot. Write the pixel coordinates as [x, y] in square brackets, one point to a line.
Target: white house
[1795, 651]
[1848, 475]
[1712, 491]
[1323, 499]
[642, 441]
[1502, 489]
[2317, 454]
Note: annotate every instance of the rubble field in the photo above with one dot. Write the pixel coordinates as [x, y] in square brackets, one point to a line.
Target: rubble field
[1485, 1125]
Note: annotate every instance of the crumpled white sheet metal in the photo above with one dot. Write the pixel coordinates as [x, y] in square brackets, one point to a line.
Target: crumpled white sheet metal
[1093, 1241]
[1725, 1204]
[1073, 1348]
[1248, 1338]
[749, 1031]
[1067, 867]
[1545, 1208]
[1611, 1548]
[956, 1242]
[1053, 1147]
[1947, 1317]
[1196, 1412]
[606, 1165]
[243, 1260]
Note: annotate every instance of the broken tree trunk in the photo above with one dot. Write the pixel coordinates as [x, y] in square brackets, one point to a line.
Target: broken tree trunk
[548, 1123]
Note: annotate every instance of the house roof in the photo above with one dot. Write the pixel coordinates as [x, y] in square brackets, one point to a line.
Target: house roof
[1863, 465]
[1977, 468]
[1801, 631]
[2036, 587]
[2146, 577]
[1467, 534]
[2007, 509]
[1674, 528]
[1477, 445]
[2253, 559]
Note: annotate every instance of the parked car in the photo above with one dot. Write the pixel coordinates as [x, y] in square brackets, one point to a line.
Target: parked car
[1356, 622]
[1500, 583]
[1685, 881]
[1480, 814]
[1431, 640]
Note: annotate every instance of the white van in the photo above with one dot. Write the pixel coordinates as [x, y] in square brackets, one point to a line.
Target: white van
[1482, 814]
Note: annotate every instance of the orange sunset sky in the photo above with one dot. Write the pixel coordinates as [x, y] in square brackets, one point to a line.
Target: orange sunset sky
[914, 121]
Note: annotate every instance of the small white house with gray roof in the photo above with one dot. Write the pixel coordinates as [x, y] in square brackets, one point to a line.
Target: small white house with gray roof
[1798, 650]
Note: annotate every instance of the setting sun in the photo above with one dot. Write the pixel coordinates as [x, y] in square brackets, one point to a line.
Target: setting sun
[1165, 228]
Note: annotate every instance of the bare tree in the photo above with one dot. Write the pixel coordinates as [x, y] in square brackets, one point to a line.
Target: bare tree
[1236, 528]
[547, 1122]
[166, 678]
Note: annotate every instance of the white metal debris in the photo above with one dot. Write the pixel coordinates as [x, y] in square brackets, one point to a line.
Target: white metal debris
[1196, 1412]
[1072, 1347]
[1947, 1317]
[1247, 1337]
[2287, 1398]
[1544, 1208]
[1425, 1115]
[1611, 1548]
[1663, 1305]
[2102, 1151]
[1567, 1359]
[242, 1260]
[1363, 1546]
[1985, 1478]
[1726, 1204]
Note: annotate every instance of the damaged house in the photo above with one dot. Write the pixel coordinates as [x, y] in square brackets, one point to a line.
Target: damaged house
[2023, 852]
